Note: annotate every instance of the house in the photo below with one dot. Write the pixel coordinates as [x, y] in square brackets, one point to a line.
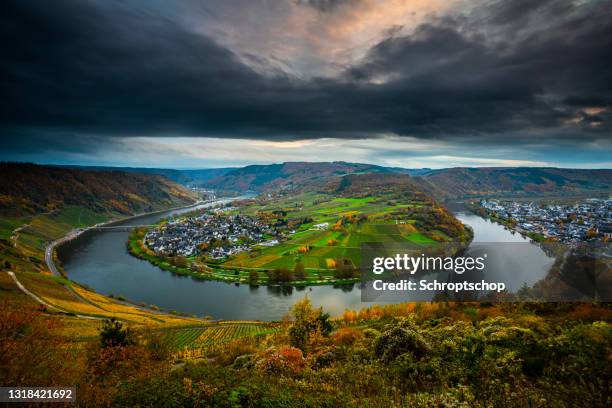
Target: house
[321, 227]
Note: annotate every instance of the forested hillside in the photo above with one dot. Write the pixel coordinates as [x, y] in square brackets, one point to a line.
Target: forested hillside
[29, 189]
[441, 184]
[293, 175]
[515, 181]
[356, 185]
[186, 177]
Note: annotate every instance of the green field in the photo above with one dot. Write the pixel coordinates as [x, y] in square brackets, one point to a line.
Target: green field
[328, 244]
[204, 336]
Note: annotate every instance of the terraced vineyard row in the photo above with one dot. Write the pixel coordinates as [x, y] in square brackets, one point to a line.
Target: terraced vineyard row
[183, 338]
[197, 337]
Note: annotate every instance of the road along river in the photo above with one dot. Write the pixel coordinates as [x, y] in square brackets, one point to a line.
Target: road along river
[99, 259]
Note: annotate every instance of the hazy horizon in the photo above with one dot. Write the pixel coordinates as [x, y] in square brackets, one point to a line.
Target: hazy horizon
[119, 166]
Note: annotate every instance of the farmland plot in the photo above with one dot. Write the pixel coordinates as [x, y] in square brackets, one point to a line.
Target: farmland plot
[199, 337]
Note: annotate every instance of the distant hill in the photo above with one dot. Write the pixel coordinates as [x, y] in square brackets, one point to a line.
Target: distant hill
[442, 184]
[293, 175]
[186, 177]
[355, 185]
[514, 181]
[29, 189]
[460, 182]
[411, 172]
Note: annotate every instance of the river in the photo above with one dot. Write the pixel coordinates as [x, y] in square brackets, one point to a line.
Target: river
[100, 260]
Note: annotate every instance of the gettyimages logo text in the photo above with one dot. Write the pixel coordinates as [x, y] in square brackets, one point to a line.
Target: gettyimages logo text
[404, 263]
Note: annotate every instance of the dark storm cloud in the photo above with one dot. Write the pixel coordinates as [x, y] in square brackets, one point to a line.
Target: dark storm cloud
[112, 69]
[73, 70]
[325, 6]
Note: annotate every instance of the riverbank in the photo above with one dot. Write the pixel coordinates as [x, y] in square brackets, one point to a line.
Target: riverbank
[51, 247]
[50, 254]
[482, 212]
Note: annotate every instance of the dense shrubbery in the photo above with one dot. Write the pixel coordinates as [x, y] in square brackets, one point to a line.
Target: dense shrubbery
[344, 269]
[308, 325]
[113, 334]
[440, 355]
[399, 339]
[30, 350]
[421, 355]
[282, 361]
[280, 275]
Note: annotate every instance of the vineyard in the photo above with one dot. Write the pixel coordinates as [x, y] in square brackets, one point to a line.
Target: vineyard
[204, 336]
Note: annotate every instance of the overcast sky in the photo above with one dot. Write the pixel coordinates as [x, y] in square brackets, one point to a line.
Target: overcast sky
[411, 83]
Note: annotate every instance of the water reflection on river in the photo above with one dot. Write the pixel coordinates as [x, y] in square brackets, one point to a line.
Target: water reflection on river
[100, 259]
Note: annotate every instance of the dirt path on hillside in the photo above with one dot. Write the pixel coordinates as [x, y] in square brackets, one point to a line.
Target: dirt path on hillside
[45, 303]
